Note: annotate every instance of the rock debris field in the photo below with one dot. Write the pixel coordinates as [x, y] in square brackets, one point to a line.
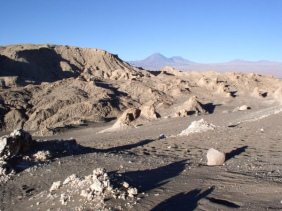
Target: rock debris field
[83, 130]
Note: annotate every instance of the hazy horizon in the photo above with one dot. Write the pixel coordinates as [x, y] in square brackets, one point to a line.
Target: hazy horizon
[202, 31]
[232, 60]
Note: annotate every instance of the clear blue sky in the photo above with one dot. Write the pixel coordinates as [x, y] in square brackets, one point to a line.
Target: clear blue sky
[199, 30]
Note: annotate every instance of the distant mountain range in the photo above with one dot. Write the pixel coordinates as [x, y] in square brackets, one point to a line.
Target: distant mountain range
[157, 61]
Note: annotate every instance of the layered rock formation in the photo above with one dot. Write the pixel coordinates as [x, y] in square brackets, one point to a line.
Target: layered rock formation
[44, 88]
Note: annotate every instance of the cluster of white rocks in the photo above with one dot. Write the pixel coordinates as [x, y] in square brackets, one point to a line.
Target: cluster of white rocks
[94, 187]
[197, 127]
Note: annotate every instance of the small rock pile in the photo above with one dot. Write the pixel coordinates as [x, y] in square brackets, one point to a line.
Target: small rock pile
[197, 127]
[95, 187]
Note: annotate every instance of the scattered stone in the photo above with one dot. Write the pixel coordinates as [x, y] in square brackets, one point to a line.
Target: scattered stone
[70, 179]
[162, 136]
[125, 185]
[132, 192]
[55, 186]
[242, 108]
[198, 127]
[64, 198]
[42, 156]
[215, 157]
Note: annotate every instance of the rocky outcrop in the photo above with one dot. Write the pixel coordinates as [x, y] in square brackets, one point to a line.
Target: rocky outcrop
[130, 115]
[17, 142]
[49, 63]
[46, 88]
[148, 111]
[190, 107]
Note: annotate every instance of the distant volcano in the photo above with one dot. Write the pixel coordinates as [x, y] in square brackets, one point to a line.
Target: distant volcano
[157, 61]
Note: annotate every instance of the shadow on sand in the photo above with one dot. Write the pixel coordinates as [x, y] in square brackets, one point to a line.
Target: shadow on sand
[146, 180]
[125, 147]
[63, 148]
[183, 201]
[210, 107]
[235, 152]
[189, 201]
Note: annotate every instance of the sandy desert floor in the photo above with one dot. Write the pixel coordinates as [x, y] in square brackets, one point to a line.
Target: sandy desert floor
[169, 173]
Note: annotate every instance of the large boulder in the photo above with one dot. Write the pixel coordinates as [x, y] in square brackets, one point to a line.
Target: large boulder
[215, 157]
[17, 142]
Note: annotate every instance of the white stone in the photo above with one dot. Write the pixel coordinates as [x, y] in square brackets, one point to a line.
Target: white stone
[125, 185]
[55, 186]
[69, 179]
[97, 186]
[132, 192]
[243, 108]
[42, 155]
[215, 157]
[64, 198]
[84, 193]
